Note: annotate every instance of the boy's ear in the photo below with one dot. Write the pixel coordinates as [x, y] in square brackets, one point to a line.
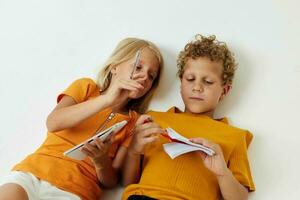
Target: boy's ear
[226, 90]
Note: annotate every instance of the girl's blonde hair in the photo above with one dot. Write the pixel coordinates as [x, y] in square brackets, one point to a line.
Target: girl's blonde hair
[125, 50]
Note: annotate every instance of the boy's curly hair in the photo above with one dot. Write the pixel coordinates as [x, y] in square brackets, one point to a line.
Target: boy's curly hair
[208, 47]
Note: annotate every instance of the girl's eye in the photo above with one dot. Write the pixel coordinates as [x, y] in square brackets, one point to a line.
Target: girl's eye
[152, 76]
[139, 67]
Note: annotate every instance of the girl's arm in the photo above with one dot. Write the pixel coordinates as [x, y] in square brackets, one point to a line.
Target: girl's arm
[229, 186]
[97, 151]
[67, 113]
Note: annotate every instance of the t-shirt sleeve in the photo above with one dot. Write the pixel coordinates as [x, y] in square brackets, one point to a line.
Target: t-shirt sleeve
[79, 90]
[239, 164]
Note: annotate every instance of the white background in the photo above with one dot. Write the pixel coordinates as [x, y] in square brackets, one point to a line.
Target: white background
[45, 45]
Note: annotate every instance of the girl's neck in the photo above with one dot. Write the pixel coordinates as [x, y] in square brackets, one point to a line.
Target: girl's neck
[121, 109]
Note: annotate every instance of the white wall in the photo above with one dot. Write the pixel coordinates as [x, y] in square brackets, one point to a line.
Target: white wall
[45, 45]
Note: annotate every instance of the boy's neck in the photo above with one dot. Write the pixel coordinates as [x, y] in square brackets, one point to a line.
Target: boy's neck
[209, 113]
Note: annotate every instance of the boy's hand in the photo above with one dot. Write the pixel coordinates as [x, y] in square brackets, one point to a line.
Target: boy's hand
[144, 133]
[96, 151]
[216, 162]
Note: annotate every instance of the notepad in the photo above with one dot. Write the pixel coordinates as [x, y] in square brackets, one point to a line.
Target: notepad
[181, 145]
[76, 153]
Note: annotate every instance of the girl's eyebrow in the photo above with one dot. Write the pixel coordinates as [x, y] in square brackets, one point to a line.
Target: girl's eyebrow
[136, 62]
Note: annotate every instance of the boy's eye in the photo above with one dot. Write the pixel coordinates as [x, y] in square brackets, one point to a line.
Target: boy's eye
[190, 79]
[208, 82]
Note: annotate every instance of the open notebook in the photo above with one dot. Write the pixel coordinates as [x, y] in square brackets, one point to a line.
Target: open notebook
[76, 153]
[181, 145]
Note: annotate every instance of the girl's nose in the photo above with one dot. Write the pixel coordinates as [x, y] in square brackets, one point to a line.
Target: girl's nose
[142, 75]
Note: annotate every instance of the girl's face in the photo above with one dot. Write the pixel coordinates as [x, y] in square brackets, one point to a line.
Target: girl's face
[201, 85]
[145, 72]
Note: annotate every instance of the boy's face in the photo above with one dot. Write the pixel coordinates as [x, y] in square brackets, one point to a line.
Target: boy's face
[201, 85]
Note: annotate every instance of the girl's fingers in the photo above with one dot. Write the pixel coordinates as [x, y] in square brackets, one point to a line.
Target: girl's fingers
[87, 152]
[99, 143]
[93, 149]
[138, 75]
[133, 84]
[128, 87]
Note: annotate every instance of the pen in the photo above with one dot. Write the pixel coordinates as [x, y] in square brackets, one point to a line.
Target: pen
[136, 62]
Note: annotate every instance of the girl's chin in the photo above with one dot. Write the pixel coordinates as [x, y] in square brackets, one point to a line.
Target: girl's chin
[135, 95]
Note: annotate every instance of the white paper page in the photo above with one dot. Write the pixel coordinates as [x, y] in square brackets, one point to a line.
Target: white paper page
[175, 149]
[174, 135]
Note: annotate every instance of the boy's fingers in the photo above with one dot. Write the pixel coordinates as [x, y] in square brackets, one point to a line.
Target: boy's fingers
[152, 131]
[143, 119]
[202, 155]
[198, 140]
[206, 143]
[150, 139]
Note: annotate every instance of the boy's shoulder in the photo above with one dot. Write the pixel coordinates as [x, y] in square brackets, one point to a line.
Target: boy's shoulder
[179, 118]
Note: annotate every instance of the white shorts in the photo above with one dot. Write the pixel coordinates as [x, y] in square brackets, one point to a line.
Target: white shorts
[37, 189]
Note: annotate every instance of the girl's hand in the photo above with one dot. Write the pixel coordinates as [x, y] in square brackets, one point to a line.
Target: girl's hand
[144, 133]
[120, 88]
[96, 151]
[216, 162]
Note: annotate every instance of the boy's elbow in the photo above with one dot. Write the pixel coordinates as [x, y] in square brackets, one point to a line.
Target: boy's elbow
[125, 182]
[110, 184]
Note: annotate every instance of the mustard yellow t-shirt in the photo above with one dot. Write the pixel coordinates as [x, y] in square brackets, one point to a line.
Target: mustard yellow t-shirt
[79, 177]
[186, 177]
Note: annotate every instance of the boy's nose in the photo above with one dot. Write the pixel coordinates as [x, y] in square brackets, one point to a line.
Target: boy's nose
[198, 88]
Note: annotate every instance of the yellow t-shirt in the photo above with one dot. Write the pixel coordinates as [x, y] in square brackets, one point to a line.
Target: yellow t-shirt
[186, 177]
[78, 177]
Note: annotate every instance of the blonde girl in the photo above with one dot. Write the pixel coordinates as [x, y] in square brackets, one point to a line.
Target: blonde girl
[123, 88]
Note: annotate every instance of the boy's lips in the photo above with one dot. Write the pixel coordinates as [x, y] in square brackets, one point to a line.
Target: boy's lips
[197, 98]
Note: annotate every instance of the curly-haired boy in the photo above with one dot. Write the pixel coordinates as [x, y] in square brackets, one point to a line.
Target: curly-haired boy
[206, 68]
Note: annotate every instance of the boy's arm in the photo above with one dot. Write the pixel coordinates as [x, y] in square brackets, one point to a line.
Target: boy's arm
[145, 132]
[231, 188]
[131, 168]
[106, 173]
